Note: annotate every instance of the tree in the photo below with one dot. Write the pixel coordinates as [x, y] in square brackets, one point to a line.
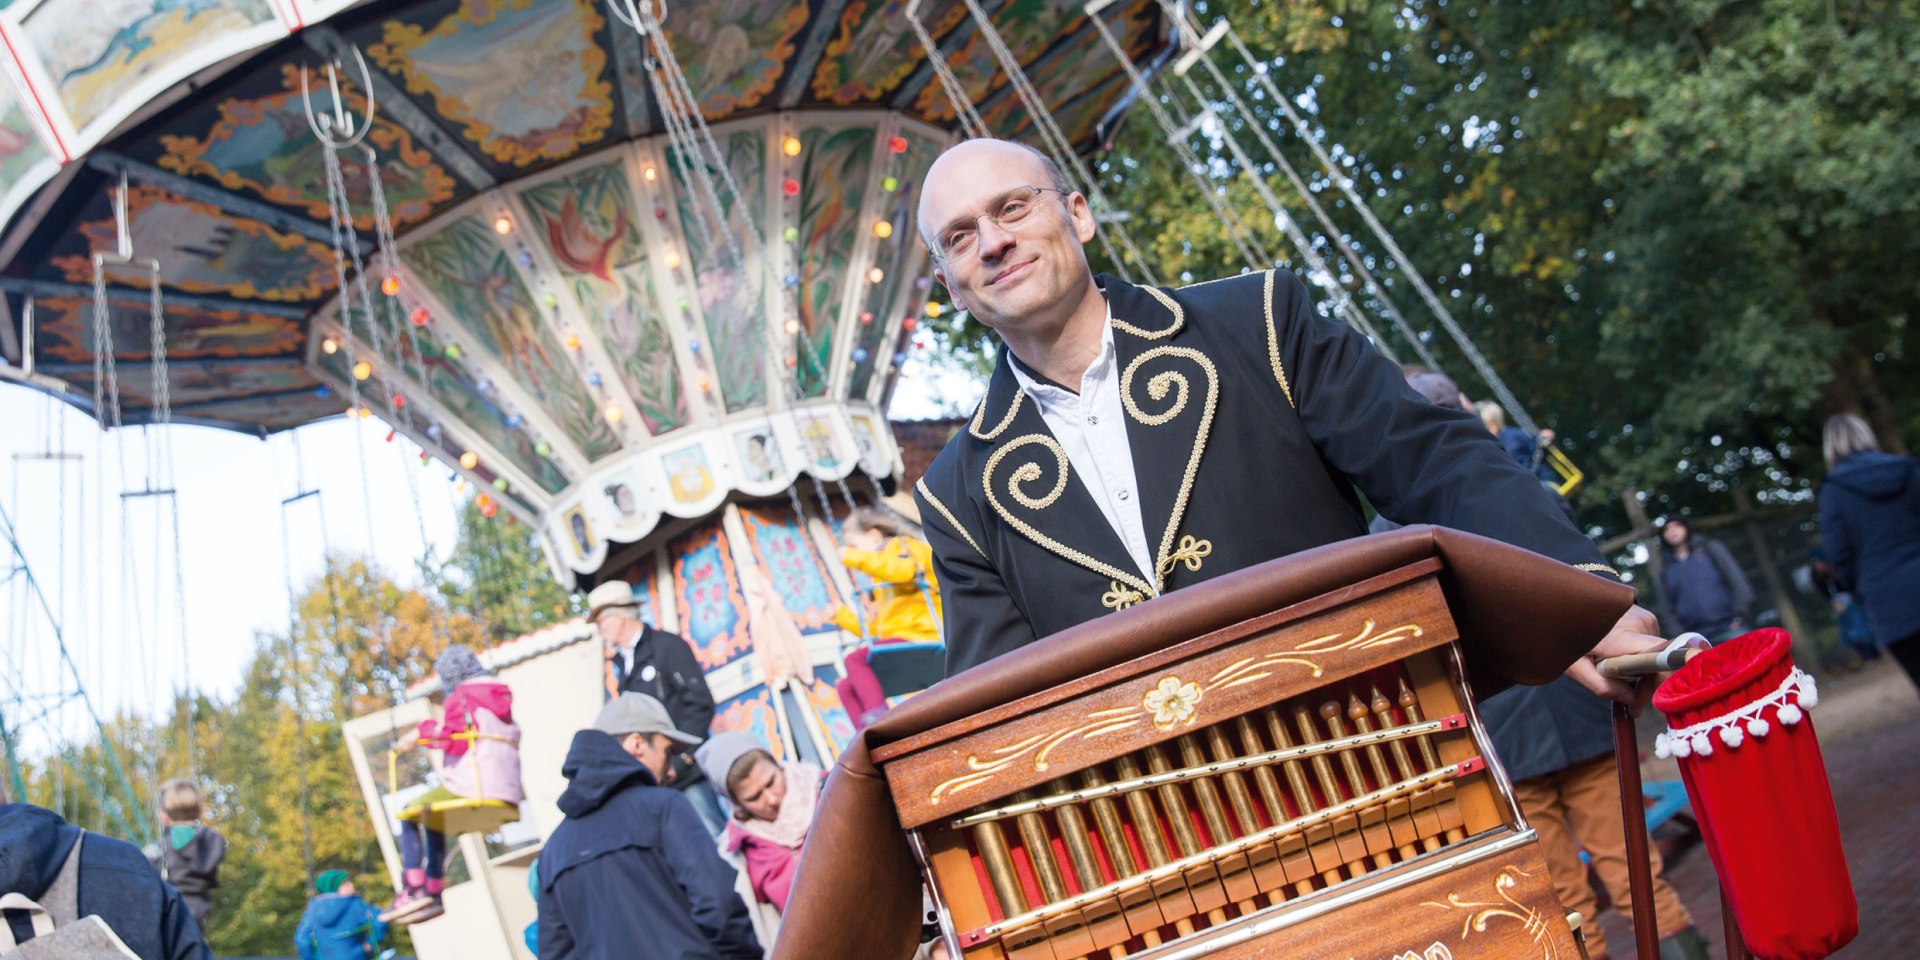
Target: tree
[498, 574]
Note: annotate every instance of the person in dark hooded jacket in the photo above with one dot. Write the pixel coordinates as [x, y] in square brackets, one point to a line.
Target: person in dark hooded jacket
[632, 870]
[1870, 531]
[116, 883]
[338, 925]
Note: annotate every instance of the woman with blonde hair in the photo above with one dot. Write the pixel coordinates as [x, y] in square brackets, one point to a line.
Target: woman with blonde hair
[1870, 530]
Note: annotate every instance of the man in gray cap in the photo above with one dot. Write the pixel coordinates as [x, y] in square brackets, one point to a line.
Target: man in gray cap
[661, 665]
[631, 871]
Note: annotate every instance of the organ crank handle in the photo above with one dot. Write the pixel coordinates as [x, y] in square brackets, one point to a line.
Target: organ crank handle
[1665, 660]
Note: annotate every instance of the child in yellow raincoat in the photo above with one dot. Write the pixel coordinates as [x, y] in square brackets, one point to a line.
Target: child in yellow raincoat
[905, 602]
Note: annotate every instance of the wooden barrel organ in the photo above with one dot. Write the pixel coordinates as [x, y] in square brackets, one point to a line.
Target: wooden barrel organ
[1311, 783]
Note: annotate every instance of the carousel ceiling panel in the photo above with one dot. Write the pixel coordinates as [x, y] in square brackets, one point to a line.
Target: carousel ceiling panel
[586, 223]
[473, 279]
[281, 390]
[201, 249]
[524, 83]
[254, 139]
[24, 161]
[63, 332]
[734, 52]
[733, 301]
[863, 62]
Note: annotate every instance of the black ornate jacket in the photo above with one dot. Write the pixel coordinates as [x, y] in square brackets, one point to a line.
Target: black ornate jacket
[1252, 421]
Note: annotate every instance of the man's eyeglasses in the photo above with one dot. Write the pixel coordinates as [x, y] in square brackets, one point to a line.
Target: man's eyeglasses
[960, 239]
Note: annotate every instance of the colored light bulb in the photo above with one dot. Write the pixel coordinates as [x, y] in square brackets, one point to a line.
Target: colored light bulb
[791, 187]
[469, 460]
[890, 184]
[543, 448]
[503, 225]
[882, 229]
[500, 484]
[790, 146]
[329, 346]
[876, 275]
[897, 144]
[390, 286]
[362, 370]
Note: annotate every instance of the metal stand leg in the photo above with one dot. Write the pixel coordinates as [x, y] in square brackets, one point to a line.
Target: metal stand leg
[1626, 749]
[1736, 947]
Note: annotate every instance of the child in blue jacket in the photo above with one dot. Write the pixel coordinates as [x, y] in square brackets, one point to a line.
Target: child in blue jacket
[338, 925]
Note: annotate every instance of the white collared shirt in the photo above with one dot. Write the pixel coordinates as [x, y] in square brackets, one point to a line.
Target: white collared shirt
[1091, 427]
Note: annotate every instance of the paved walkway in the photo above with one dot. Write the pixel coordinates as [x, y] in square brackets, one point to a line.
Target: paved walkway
[1869, 727]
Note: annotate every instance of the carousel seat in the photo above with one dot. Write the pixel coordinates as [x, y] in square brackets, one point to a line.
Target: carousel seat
[904, 668]
[460, 815]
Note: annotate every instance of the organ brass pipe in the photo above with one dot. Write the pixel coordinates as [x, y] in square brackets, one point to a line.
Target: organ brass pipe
[999, 863]
[1346, 832]
[1067, 934]
[1268, 876]
[1141, 909]
[1443, 797]
[1320, 845]
[1421, 806]
[1104, 921]
[1236, 873]
[1294, 861]
[1209, 894]
[1373, 820]
[1399, 812]
[1146, 825]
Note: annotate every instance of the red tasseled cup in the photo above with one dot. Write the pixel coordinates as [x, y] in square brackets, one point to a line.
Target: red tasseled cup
[1764, 806]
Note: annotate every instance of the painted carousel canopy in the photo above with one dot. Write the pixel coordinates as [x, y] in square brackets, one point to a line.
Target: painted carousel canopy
[562, 322]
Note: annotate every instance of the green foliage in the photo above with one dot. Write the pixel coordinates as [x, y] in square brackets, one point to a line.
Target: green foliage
[1682, 231]
[498, 574]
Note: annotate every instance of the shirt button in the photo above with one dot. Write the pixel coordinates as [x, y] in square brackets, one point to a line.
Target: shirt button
[1093, 421]
[1123, 494]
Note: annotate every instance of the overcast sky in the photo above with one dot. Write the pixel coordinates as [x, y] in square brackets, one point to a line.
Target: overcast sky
[116, 598]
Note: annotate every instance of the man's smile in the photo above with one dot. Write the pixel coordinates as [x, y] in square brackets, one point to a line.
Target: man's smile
[1012, 271]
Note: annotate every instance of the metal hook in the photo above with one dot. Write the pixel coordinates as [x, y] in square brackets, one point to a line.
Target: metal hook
[26, 337]
[632, 14]
[123, 237]
[337, 128]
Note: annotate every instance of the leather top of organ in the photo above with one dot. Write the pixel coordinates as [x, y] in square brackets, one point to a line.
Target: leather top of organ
[1152, 677]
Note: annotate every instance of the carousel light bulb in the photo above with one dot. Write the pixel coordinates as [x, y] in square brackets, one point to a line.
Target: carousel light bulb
[482, 501]
[705, 385]
[613, 413]
[673, 260]
[882, 229]
[469, 460]
[573, 341]
[503, 225]
[362, 370]
[420, 316]
[793, 326]
[860, 354]
[329, 346]
[551, 300]
[933, 309]
[890, 184]
[453, 350]
[322, 391]
[489, 510]
[650, 173]
[515, 422]
[543, 448]
[483, 385]
[897, 144]
[390, 286]
[500, 484]
[792, 360]
[399, 400]
[909, 323]
[790, 146]
[791, 187]
[876, 275]
[593, 379]
[792, 234]
[524, 258]
[866, 316]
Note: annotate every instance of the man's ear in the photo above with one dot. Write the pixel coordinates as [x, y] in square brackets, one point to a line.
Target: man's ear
[1084, 225]
[941, 276]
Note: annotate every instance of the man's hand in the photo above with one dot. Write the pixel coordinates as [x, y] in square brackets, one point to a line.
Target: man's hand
[1637, 632]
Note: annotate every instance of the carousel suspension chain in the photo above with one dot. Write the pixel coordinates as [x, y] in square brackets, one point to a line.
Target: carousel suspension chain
[163, 395]
[969, 117]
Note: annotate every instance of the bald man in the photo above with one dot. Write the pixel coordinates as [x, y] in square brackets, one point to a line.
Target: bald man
[1135, 440]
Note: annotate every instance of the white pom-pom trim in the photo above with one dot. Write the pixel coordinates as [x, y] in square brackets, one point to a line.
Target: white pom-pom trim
[1790, 701]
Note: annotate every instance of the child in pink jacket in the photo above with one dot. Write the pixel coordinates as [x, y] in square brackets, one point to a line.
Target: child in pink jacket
[772, 805]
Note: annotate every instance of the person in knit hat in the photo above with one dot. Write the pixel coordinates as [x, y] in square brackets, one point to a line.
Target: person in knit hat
[338, 925]
[480, 743]
[772, 804]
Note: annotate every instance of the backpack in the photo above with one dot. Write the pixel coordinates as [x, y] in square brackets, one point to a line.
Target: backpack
[59, 932]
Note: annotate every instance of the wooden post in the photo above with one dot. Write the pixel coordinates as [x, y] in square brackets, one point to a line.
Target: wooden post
[1803, 650]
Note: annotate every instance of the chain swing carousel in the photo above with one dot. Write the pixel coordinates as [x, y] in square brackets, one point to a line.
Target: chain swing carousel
[639, 276]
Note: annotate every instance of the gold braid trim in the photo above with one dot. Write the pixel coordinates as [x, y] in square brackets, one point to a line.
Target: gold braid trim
[1031, 471]
[1158, 386]
[942, 508]
[1273, 346]
[980, 415]
[1599, 568]
[1173, 307]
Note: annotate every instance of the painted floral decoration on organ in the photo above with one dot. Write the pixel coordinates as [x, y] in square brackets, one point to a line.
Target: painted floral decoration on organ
[1172, 702]
[1790, 701]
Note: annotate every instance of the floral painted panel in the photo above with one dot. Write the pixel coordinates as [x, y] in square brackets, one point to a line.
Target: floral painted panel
[731, 291]
[203, 249]
[713, 610]
[734, 51]
[864, 59]
[524, 80]
[97, 50]
[586, 222]
[752, 712]
[785, 550]
[262, 145]
[63, 331]
[470, 275]
[832, 175]
[1028, 26]
[20, 147]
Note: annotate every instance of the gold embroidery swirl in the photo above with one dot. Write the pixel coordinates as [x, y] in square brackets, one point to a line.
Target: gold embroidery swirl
[1273, 346]
[1173, 307]
[1120, 597]
[921, 486]
[980, 417]
[1029, 472]
[1599, 568]
[1158, 386]
[1191, 552]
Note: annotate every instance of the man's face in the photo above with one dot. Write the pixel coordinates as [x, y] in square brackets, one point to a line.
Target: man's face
[1013, 275]
[654, 752]
[617, 628]
[1674, 534]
